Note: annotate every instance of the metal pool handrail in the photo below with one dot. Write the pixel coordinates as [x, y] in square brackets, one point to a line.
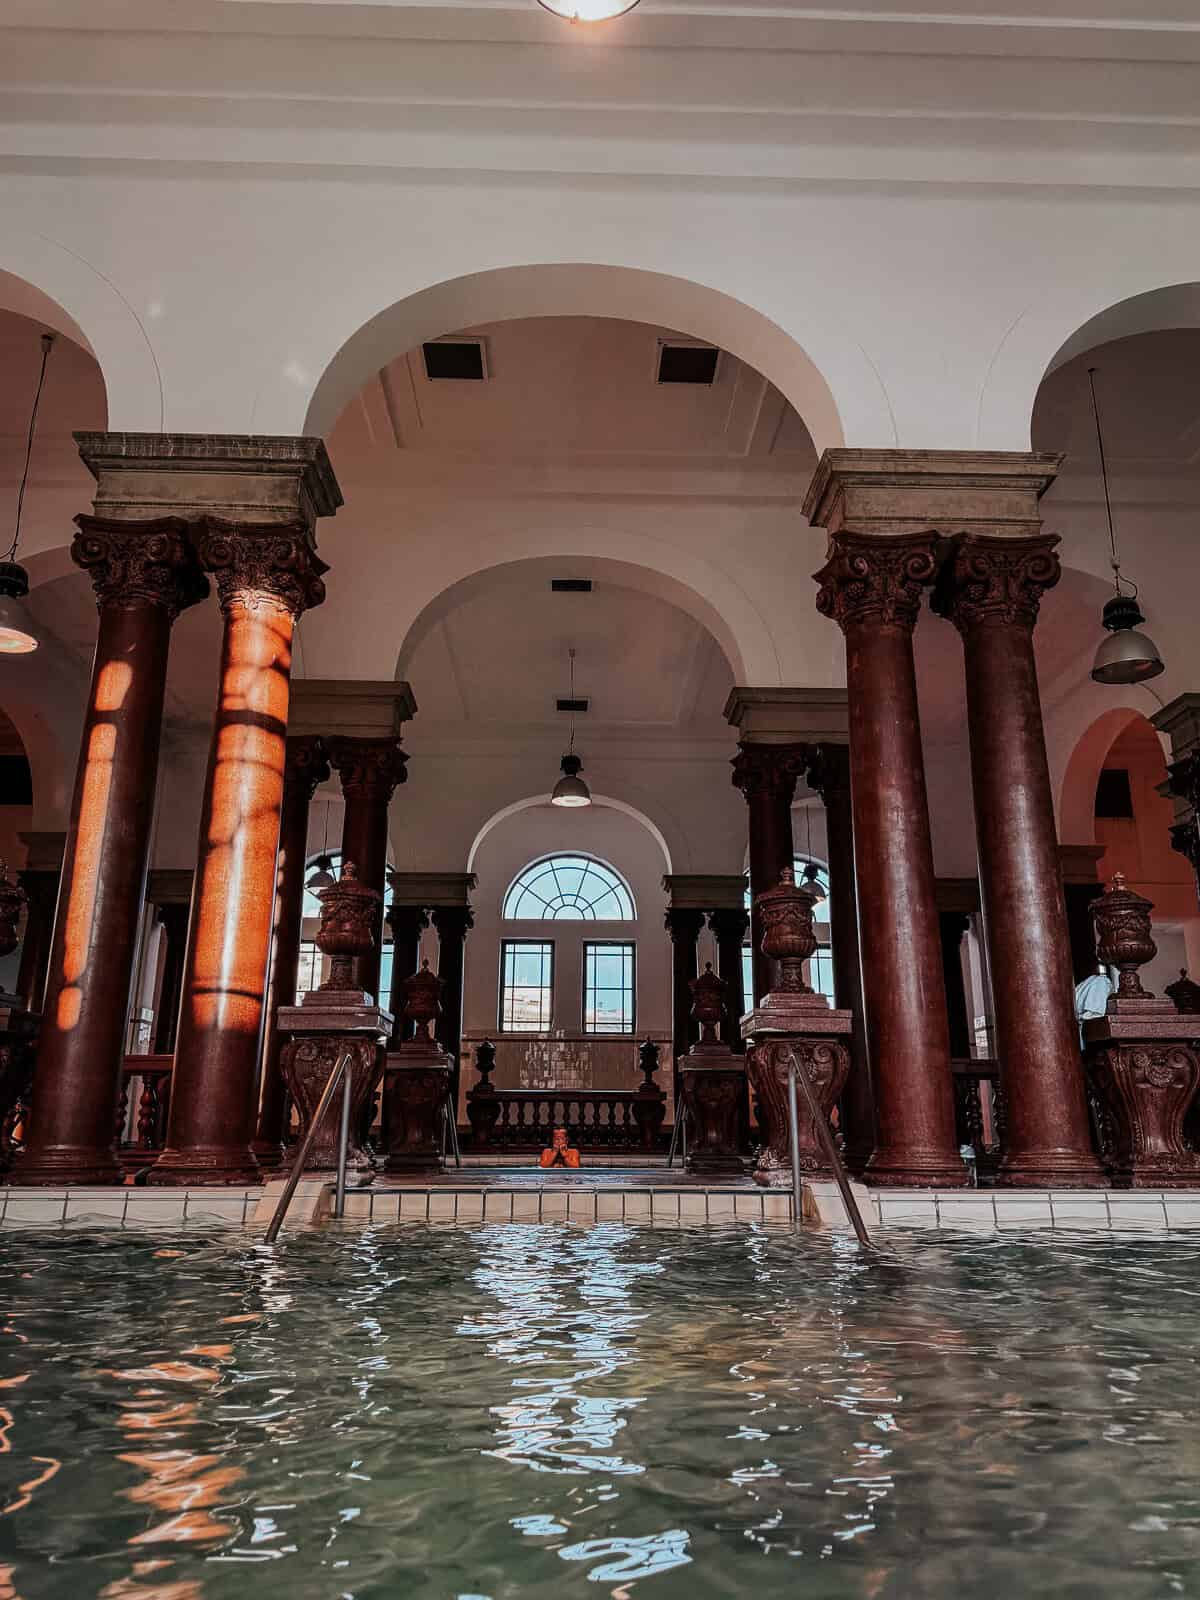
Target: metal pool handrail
[829, 1148]
[340, 1073]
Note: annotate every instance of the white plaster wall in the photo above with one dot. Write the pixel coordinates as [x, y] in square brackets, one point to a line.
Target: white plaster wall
[598, 830]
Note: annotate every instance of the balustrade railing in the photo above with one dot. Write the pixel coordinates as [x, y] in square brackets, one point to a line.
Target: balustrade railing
[140, 1138]
[18, 1046]
[595, 1119]
[979, 1112]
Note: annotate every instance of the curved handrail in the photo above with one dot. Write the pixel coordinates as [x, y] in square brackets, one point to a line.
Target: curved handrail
[341, 1066]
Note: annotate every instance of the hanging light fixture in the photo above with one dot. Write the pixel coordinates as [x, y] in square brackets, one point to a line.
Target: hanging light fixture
[16, 639]
[1127, 655]
[322, 875]
[812, 872]
[570, 790]
[588, 10]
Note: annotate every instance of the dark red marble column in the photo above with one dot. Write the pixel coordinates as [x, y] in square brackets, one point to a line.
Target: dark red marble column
[728, 925]
[407, 924]
[766, 774]
[684, 927]
[144, 574]
[266, 574]
[173, 919]
[452, 924]
[41, 889]
[370, 770]
[305, 766]
[991, 587]
[829, 774]
[871, 586]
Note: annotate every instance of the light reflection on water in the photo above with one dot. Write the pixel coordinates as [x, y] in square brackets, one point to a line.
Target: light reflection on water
[537, 1410]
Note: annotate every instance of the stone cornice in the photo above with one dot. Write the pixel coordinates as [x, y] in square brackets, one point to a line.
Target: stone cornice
[352, 708]
[431, 888]
[705, 891]
[788, 716]
[239, 477]
[1179, 719]
[943, 492]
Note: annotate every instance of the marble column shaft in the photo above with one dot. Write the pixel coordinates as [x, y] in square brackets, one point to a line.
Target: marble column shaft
[453, 923]
[728, 926]
[684, 927]
[871, 586]
[370, 770]
[407, 924]
[766, 774]
[266, 575]
[144, 574]
[991, 588]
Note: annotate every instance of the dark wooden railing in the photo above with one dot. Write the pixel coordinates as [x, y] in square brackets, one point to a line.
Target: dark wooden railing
[18, 1046]
[977, 1083]
[148, 1133]
[595, 1119]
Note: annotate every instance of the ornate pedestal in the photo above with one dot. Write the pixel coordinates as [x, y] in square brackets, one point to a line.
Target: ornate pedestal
[483, 1102]
[334, 1019]
[416, 1085]
[650, 1107]
[713, 1079]
[1142, 1063]
[793, 1018]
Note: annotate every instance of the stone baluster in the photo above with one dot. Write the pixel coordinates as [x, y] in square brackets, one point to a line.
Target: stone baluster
[990, 587]
[144, 575]
[266, 575]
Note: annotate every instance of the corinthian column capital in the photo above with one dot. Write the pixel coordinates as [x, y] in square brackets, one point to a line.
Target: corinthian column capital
[139, 563]
[370, 769]
[305, 764]
[876, 578]
[769, 769]
[996, 582]
[262, 565]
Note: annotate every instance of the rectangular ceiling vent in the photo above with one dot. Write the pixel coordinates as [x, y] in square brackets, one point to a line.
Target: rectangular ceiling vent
[685, 362]
[455, 360]
[571, 585]
[575, 707]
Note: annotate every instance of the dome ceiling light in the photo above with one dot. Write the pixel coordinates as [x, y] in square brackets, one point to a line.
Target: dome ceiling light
[588, 10]
[1127, 655]
[570, 790]
[16, 638]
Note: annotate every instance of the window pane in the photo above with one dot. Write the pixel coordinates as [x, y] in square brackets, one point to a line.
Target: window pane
[526, 985]
[569, 888]
[609, 988]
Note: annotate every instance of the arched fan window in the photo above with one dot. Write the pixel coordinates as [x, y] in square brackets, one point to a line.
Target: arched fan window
[569, 889]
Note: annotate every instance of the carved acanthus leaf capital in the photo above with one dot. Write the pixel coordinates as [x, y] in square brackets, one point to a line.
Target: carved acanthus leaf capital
[369, 769]
[139, 563]
[875, 578]
[306, 764]
[996, 582]
[769, 770]
[262, 564]
[828, 773]
[1183, 779]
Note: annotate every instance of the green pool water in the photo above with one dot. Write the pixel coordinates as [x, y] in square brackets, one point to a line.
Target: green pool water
[607, 1411]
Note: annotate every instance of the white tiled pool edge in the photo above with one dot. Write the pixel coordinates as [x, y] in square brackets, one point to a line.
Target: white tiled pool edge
[973, 1210]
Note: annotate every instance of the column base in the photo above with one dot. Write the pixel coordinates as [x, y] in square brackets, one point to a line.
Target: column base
[193, 1169]
[1051, 1169]
[268, 1154]
[915, 1169]
[66, 1165]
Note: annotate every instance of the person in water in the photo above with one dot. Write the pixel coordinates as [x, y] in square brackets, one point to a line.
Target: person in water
[560, 1153]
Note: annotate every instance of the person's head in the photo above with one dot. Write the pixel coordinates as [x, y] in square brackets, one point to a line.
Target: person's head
[559, 1141]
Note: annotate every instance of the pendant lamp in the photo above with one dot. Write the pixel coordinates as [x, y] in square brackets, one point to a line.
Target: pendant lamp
[322, 875]
[588, 10]
[16, 635]
[570, 790]
[1127, 655]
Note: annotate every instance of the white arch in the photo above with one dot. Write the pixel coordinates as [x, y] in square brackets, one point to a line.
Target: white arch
[45, 280]
[547, 289]
[505, 812]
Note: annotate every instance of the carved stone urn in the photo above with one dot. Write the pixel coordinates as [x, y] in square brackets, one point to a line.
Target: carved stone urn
[483, 1100]
[13, 900]
[792, 1019]
[713, 1078]
[336, 1019]
[417, 1083]
[1123, 936]
[1140, 1058]
[650, 1105]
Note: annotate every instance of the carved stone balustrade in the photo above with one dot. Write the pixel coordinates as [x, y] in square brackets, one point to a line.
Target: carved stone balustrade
[417, 1083]
[1143, 1064]
[336, 1019]
[793, 1020]
[714, 1085]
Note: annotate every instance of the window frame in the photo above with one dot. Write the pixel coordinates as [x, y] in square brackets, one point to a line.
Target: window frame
[619, 888]
[503, 987]
[609, 1033]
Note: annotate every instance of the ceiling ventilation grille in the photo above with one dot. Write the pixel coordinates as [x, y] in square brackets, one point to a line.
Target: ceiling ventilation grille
[457, 360]
[685, 362]
[571, 585]
[577, 707]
